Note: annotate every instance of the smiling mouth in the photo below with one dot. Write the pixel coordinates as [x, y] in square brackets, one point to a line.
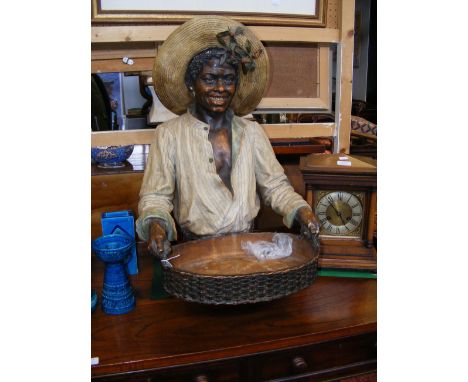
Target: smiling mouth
[219, 99]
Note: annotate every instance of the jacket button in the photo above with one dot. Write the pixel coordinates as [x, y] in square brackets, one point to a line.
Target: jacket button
[211, 160]
[205, 128]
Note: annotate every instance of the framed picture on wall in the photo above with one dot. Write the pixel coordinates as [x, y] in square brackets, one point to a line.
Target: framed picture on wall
[259, 12]
[299, 78]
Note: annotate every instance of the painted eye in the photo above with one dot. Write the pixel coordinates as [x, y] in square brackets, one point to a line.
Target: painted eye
[229, 80]
[209, 80]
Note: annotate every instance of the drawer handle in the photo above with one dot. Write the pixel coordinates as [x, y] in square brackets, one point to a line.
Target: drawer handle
[299, 364]
[201, 378]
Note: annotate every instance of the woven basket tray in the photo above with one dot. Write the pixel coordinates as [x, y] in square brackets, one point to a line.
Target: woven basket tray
[218, 271]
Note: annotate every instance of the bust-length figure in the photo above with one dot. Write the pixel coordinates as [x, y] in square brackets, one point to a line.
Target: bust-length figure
[222, 197]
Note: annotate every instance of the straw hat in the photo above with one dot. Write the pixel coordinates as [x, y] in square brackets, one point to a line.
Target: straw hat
[198, 34]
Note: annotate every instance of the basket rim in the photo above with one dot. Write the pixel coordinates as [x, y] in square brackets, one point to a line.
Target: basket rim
[316, 255]
[286, 270]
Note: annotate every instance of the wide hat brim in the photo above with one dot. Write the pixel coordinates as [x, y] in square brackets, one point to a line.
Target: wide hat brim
[192, 37]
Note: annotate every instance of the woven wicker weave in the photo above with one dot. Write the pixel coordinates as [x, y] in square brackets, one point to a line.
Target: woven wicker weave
[241, 288]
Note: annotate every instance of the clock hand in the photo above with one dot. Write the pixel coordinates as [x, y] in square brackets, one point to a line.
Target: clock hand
[342, 220]
[331, 201]
[337, 212]
[333, 206]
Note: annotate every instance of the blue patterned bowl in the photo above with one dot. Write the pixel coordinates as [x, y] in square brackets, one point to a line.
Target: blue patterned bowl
[111, 156]
[113, 248]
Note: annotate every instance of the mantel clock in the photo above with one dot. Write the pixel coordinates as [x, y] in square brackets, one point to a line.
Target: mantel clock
[342, 191]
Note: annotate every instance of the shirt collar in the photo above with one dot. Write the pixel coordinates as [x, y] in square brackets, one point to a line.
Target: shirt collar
[195, 122]
[237, 129]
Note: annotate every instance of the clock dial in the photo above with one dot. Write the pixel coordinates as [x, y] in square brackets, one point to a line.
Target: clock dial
[340, 213]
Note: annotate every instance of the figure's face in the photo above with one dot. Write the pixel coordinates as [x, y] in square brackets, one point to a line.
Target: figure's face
[215, 86]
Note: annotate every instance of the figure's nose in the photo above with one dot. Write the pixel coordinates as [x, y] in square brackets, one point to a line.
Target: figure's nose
[220, 84]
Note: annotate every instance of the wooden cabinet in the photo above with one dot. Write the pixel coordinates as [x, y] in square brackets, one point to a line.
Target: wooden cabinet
[334, 359]
[324, 332]
[206, 372]
[329, 359]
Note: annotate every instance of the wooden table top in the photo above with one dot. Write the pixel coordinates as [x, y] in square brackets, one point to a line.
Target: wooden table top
[168, 332]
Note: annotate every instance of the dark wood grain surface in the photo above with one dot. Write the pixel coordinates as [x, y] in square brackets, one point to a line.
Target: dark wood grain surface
[170, 332]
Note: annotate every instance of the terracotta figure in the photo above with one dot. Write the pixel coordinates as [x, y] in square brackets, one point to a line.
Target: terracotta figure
[207, 166]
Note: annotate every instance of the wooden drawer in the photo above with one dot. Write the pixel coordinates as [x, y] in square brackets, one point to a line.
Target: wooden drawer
[337, 358]
[224, 371]
[324, 361]
[213, 372]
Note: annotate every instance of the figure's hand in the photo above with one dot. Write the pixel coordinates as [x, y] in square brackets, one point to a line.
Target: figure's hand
[306, 218]
[309, 225]
[158, 244]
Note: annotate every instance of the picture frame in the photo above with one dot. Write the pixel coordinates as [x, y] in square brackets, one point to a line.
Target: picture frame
[311, 13]
[320, 103]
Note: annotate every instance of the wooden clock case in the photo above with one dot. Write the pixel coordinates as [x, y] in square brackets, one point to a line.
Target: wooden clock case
[321, 172]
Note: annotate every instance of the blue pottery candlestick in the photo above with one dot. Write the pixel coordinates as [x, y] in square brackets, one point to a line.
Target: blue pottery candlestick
[117, 294]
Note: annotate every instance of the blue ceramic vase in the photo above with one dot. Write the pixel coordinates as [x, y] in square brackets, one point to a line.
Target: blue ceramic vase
[117, 293]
